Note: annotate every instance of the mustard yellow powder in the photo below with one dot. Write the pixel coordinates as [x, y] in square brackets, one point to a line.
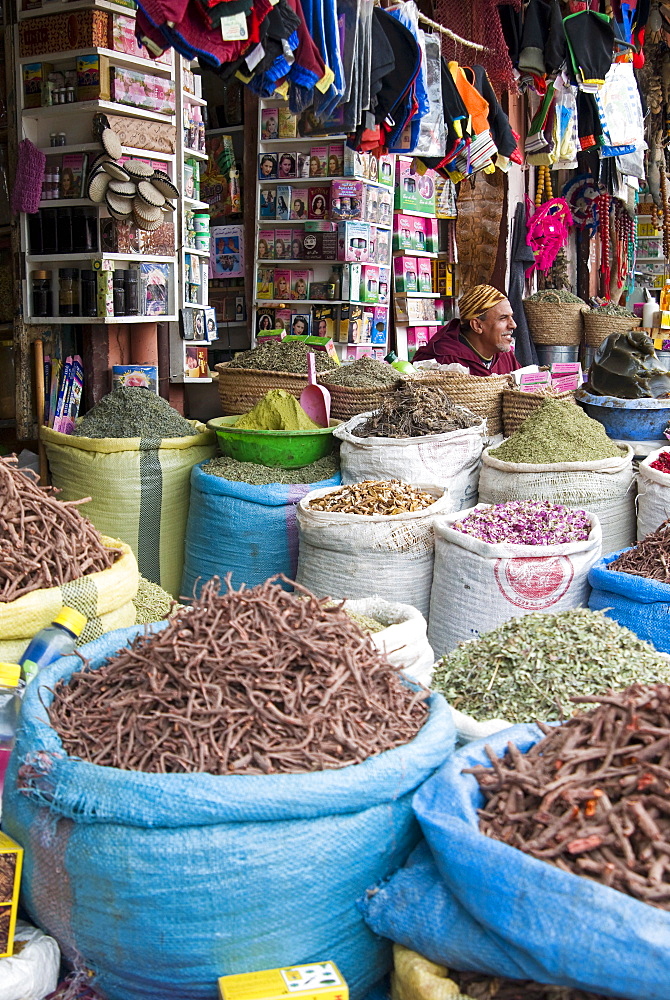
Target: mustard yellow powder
[278, 410]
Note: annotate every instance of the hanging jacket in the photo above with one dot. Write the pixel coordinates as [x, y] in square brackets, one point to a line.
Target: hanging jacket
[501, 130]
[543, 46]
[590, 38]
[477, 106]
[395, 97]
[321, 20]
[417, 104]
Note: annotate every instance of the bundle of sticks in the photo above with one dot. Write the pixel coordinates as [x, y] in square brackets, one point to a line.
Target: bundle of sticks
[592, 797]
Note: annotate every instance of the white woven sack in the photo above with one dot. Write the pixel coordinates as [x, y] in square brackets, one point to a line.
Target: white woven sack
[653, 496]
[356, 555]
[468, 729]
[404, 640]
[450, 460]
[32, 972]
[605, 488]
[478, 585]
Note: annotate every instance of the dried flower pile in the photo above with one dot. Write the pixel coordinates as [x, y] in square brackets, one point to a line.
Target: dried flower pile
[44, 542]
[662, 463]
[592, 796]
[526, 522]
[256, 681]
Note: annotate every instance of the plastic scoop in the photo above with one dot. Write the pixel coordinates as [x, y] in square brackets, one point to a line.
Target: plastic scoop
[314, 399]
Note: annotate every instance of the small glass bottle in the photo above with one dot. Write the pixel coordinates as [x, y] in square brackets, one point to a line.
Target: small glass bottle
[53, 136]
[10, 700]
[119, 286]
[61, 139]
[41, 281]
[58, 639]
[68, 291]
[69, 95]
[89, 293]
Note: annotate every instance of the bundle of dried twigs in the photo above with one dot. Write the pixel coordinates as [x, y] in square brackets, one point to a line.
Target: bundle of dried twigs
[246, 682]
[592, 796]
[44, 542]
[414, 410]
[650, 557]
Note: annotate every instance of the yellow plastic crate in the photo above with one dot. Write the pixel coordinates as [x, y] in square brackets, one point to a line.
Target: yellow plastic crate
[11, 861]
[319, 981]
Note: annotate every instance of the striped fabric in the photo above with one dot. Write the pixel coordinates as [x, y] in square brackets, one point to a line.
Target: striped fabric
[477, 300]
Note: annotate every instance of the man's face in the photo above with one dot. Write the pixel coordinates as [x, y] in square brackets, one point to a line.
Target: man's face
[494, 329]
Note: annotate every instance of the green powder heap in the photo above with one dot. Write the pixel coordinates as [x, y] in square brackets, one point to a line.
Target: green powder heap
[279, 357]
[550, 295]
[261, 475]
[364, 373]
[528, 668]
[152, 603]
[278, 410]
[133, 412]
[557, 431]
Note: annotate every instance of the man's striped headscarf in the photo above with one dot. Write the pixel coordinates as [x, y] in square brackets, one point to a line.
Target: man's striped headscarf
[477, 300]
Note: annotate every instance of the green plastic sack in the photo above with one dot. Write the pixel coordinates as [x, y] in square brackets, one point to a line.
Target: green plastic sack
[140, 490]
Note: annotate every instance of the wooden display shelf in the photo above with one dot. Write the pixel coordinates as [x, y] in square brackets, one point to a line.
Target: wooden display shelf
[122, 58]
[84, 107]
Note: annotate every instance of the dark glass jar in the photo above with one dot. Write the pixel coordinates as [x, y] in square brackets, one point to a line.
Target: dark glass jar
[35, 232]
[64, 230]
[42, 298]
[132, 291]
[80, 242]
[89, 293]
[119, 293]
[49, 230]
[68, 291]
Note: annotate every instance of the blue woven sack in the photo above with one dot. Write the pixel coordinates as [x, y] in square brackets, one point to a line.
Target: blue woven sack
[469, 902]
[640, 604]
[248, 530]
[162, 883]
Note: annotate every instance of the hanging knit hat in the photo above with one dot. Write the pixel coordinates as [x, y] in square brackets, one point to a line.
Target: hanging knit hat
[27, 191]
[477, 300]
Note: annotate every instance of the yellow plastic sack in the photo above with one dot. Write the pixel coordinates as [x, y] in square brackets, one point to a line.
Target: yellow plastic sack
[106, 598]
[140, 490]
[416, 978]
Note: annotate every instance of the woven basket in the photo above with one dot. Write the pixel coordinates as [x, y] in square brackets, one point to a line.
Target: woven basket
[481, 395]
[555, 323]
[597, 327]
[517, 406]
[346, 401]
[241, 388]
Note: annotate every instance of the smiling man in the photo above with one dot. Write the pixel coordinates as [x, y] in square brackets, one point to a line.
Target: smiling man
[481, 339]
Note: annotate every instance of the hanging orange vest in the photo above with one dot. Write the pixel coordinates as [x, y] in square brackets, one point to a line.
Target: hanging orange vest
[477, 106]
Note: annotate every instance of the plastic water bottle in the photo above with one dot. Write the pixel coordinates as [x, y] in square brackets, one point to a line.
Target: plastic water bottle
[59, 639]
[10, 675]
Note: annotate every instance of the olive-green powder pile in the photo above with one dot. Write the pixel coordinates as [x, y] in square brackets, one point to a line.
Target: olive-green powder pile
[152, 603]
[366, 373]
[557, 431]
[529, 667]
[261, 475]
[550, 295]
[133, 413]
[279, 357]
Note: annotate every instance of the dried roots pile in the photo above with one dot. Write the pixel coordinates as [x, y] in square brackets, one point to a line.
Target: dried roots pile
[650, 557]
[254, 681]
[592, 796]
[44, 542]
[414, 410]
[479, 986]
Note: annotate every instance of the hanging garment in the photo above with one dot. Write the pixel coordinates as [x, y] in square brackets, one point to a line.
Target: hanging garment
[455, 121]
[431, 141]
[321, 20]
[512, 29]
[590, 38]
[589, 128]
[476, 105]
[620, 111]
[543, 47]
[499, 125]
[417, 104]
[566, 139]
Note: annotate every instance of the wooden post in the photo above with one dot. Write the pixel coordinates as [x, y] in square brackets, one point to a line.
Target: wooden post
[38, 351]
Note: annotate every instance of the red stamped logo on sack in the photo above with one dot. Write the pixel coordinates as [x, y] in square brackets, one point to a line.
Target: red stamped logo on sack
[534, 584]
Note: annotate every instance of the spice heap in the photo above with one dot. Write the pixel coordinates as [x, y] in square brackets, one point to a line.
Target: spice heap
[414, 410]
[662, 463]
[152, 603]
[279, 357]
[530, 667]
[591, 796]
[649, 558]
[610, 309]
[44, 542]
[278, 410]
[552, 294]
[557, 431]
[261, 475]
[526, 522]
[132, 412]
[249, 681]
[5, 914]
[366, 373]
[478, 986]
[388, 496]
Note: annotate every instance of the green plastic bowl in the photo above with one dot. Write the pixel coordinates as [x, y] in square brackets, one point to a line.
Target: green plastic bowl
[287, 449]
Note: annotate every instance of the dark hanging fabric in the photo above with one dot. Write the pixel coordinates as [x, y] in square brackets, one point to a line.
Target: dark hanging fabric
[510, 22]
[591, 40]
[521, 257]
[499, 125]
